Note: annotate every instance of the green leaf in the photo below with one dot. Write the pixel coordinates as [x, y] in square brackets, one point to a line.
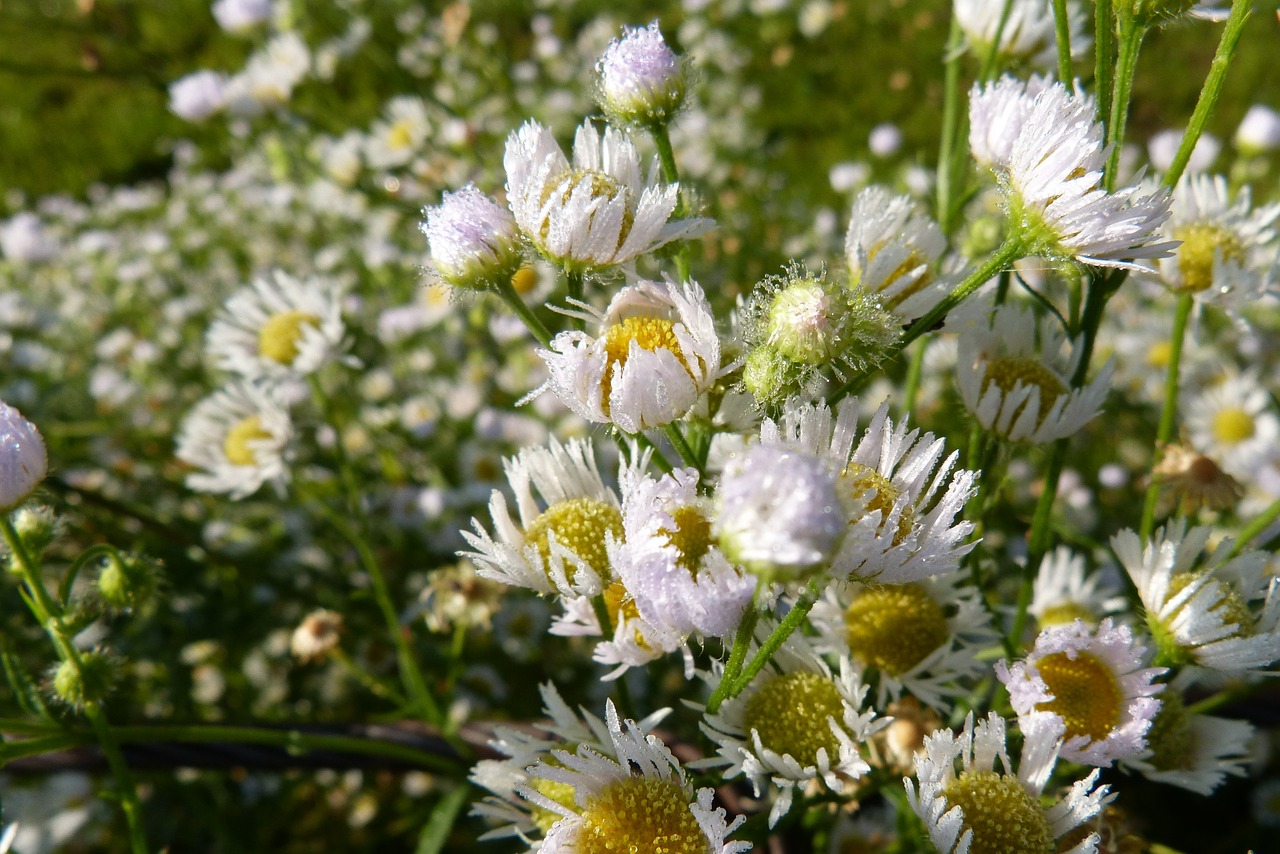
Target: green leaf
[436, 833]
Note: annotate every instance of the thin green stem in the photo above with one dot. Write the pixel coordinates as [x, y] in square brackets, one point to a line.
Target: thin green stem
[948, 171]
[1062, 26]
[1131, 35]
[1104, 57]
[1211, 90]
[507, 291]
[671, 174]
[49, 614]
[737, 655]
[1038, 539]
[681, 444]
[1169, 408]
[992, 59]
[98, 550]
[1256, 526]
[798, 614]
[915, 372]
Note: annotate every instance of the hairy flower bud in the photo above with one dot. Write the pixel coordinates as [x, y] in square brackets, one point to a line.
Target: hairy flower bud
[474, 240]
[642, 80]
[23, 459]
[127, 581]
[87, 682]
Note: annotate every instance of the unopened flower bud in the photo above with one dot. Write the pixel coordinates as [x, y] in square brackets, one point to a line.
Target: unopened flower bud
[771, 377]
[23, 459]
[88, 682]
[127, 581]
[474, 241]
[317, 636]
[642, 80]
[36, 527]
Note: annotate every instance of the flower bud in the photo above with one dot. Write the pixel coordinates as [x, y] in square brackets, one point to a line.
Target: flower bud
[23, 459]
[642, 80]
[36, 527]
[474, 241]
[127, 581]
[90, 682]
[771, 377]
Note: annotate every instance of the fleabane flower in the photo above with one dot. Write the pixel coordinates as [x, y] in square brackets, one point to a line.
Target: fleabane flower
[642, 80]
[632, 795]
[279, 326]
[796, 725]
[1012, 373]
[521, 748]
[1189, 750]
[1235, 422]
[1227, 255]
[400, 135]
[893, 249]
[920, 638]
[236, 438]
[198, 95]
[1093, 679]
[474, 241]
[1048, 155]
[1202, 615]
[898, 495]
[595, 212]
[977, 807]
[1063, 592]
[23, 458]
[559, 543]
[655, 353]
[1027, 33]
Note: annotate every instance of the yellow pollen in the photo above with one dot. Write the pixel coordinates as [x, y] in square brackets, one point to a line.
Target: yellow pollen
[650, 333]
[561, 793]
[790, 713]
[1171, 737]
[236, 445]
[602, 186]
[618, 598]
[1006, 373]
[859, 480]
[1085, 694]
[1004, 817]
[640, 815]
[1232, 425]
[1200, 241]
[1065, 614]
[579, 525]
[400, 136]
[692, 537]
[280, 336]
[893, 628]
[525, 280]
[1231, 607]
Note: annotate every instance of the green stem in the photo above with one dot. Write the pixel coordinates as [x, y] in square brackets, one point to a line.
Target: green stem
[991, 60]
[948, 171]
[507, 292]
[737, 655]
[681, 444]
[49, 615]
[98, 550]
[798, 614]
[1256, 526]
[1211, 90]
[915, 372]
[1131, 35]
[1169, 409]
[671, 174]
[1062, 25]
[371, 683]
[1104, 57]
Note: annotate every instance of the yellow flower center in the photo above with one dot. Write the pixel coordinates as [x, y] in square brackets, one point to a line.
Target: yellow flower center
[400, 135]
[649, 333]
[601, 186]
[860, 480]
[1200, 242]
[280, 336]
[640, 815]
[1232, 425]
[790, 713]
[236, 446]
[1171, 738]
[561, 793]
[691, 537]
[1229, 605]
[1085, 693]
[913, 260]
[893, 628]
[525, 280]
[1159, 354]
[579, 525]
[1004, 817]
[1067, 613]
[1007, 373]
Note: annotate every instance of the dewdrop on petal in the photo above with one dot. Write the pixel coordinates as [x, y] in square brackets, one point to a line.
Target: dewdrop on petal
[779, 512]
[642, 80]
[23, 458]
[474, 241]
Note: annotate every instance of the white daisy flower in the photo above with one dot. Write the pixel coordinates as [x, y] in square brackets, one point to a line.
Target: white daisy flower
[238, 15]
[237, 438]
[400, 136]
[1201, 614]
[277, 327]
[1234, 423]
[921, 638]
[1028, 34]
[1063, 592]
[656, 352]
[1228, 251]
[1014, 378]
[981, 809]
[1093, 680]
[514, 815]
[596, 212]
[1191, 751]
[198, 95]
[1052, 177]
[899, 497]
[893, 250]
[796, 725]
[630, 796]
[559, 543]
